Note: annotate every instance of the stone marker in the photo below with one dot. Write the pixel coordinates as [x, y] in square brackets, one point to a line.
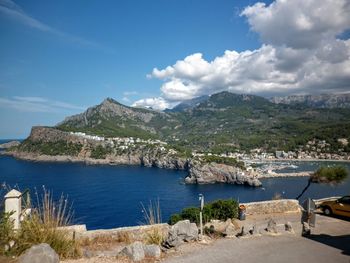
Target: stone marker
[41, 253]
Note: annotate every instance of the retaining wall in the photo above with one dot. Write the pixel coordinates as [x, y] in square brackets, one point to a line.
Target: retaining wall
[273, 206]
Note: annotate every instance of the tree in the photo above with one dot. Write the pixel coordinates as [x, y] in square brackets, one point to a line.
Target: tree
[327, 175]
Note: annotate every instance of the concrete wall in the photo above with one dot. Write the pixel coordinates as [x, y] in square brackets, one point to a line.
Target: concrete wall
[273, 206]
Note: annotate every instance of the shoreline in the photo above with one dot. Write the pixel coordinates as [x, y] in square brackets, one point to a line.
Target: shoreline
[136, 162]
[92, 161]
[298, 160]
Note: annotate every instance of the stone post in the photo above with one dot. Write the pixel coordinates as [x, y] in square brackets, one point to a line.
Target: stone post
[13, 205]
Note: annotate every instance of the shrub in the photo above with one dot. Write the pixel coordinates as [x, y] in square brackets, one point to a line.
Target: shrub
[224, 209]
[174, 218]
[334, 174]
[191, 213]
[220, 209]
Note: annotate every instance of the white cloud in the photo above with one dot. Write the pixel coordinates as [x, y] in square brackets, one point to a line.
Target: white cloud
[154, 103]
[300, 54]
[37, 104]
[299, 23]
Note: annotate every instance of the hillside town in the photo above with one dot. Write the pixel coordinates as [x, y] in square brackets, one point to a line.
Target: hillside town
[313, 150]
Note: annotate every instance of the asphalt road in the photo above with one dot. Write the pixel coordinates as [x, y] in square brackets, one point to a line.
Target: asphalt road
[328, 242]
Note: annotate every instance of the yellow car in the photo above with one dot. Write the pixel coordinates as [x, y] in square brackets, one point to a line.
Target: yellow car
[340, 206]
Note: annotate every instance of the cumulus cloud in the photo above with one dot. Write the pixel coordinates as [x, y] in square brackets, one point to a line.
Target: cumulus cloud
[299, 23]
[155, 103]
[300, 54]
[37, 104]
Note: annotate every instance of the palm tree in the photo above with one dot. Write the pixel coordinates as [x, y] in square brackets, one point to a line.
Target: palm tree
[327, 175]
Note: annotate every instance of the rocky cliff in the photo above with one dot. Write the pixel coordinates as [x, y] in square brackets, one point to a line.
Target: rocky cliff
[50, 144]
[210, 173]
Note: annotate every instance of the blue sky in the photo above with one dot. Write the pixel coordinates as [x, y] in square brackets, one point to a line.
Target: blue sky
[59, 57]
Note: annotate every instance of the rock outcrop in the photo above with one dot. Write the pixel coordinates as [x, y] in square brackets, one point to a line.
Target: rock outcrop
[10, 144]
[210, 173]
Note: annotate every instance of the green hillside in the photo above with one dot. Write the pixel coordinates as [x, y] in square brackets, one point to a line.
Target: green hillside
[223, 122]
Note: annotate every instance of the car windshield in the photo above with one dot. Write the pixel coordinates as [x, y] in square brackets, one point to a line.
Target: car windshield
[345, 200]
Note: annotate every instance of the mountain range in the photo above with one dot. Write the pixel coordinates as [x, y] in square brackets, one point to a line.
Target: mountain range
[316, 101]
[223, 122]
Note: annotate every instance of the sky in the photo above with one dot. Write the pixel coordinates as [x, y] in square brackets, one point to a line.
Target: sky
[59, 57]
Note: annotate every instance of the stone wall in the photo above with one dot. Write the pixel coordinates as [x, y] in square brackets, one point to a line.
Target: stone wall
[273, 206]
[134, 232]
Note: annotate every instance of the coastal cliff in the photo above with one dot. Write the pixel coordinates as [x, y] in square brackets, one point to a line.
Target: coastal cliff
[210, 173]
[50, 144]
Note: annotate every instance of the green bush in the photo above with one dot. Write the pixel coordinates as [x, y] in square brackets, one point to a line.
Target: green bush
[224, 209]
[219, 209]
[191, 213]
[174, 218]
[331, 174]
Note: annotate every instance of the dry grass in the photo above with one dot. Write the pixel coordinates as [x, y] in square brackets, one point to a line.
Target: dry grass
[154, 236]
[105, 242]
[42, 226]
[153, 216]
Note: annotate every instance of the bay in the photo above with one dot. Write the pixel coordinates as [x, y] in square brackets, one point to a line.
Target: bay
[110, 196]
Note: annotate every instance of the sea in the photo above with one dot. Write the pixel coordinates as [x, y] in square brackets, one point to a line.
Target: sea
[105, 196]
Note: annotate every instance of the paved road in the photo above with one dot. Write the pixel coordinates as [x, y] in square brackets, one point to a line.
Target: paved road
[329, 242]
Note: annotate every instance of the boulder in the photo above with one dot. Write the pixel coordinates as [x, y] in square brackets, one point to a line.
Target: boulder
[230, 231]
[41, 253]
[134, 251]
[182, 231]
[271, 226]
[152, 251]
[224, 227]
[244, 232]
[288, 227]
[254, 230]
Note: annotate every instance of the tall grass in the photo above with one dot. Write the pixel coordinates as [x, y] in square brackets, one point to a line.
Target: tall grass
[44, 225]
[153, 216]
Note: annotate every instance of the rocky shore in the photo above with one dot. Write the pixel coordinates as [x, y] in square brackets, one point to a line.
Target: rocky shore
[220, 173]
[198, 173]
[10, 144]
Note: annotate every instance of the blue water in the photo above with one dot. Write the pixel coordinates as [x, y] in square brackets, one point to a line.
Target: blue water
[110, 196]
